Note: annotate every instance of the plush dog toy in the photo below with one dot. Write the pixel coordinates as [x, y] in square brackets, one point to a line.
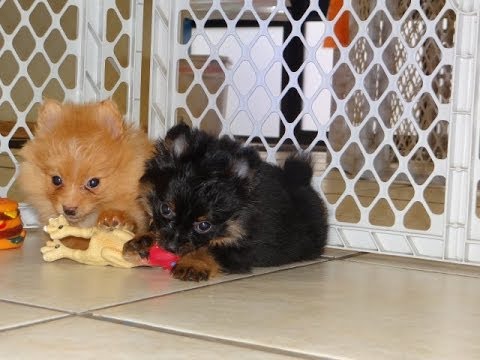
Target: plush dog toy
[105, 247]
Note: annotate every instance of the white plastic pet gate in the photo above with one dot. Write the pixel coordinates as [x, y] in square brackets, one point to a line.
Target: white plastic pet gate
[382, 93]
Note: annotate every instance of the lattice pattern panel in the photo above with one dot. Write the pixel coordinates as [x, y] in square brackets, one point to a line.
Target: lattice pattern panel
[366, 86]
[66, 50]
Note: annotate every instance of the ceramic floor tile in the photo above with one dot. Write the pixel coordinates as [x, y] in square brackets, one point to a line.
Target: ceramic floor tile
[418, 264]
[68, 286]
[334, 309]
[76, 340]
[14, 315]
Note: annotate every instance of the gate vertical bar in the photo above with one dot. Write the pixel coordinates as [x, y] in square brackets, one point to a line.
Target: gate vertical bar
[162, 71]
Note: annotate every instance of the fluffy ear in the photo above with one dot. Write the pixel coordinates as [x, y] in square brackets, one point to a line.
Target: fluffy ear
[245, 163]
[177, 139]
[109, 114]
[240, 168]
[49, 113]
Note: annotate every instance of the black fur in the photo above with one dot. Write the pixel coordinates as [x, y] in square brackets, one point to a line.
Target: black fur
[261, 215]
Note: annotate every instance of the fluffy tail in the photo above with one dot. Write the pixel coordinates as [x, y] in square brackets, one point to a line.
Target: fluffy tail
[298, 170]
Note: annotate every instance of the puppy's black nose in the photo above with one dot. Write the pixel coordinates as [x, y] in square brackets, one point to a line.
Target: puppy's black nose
[170, 246]
[70, 211]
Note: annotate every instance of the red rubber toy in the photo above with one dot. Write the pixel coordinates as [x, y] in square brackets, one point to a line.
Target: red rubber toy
[162, 258]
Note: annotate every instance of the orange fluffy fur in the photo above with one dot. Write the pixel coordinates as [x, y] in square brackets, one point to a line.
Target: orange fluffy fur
[78, 143]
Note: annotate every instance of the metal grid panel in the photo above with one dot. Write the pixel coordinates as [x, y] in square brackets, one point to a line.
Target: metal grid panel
[368, 89]
[66, 50]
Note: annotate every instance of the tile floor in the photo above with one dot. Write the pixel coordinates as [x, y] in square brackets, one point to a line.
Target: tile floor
[345, 305]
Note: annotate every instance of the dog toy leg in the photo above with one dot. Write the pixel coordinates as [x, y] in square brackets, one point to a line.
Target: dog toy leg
[114, 258]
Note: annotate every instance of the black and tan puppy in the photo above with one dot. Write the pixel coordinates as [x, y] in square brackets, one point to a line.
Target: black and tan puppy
[222, 209]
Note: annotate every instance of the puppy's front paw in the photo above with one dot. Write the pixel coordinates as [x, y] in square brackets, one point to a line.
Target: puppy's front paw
[139, 245]
[185, 272]
[115, 219]
[198, 265]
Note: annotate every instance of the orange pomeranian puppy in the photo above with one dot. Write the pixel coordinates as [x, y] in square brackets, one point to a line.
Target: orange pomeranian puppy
[85, 162]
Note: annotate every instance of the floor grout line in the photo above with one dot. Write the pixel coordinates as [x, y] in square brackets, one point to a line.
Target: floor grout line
[42, 307]
[393, 266]
[35, 323]
[213, 339]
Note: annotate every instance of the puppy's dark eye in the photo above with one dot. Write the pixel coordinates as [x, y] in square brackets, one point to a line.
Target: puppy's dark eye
[202, 227]
[166, 211]
[93, 183]
[57, 180]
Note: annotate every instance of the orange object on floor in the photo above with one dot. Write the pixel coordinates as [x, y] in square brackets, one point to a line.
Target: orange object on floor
[11, 227]
[341, 27]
